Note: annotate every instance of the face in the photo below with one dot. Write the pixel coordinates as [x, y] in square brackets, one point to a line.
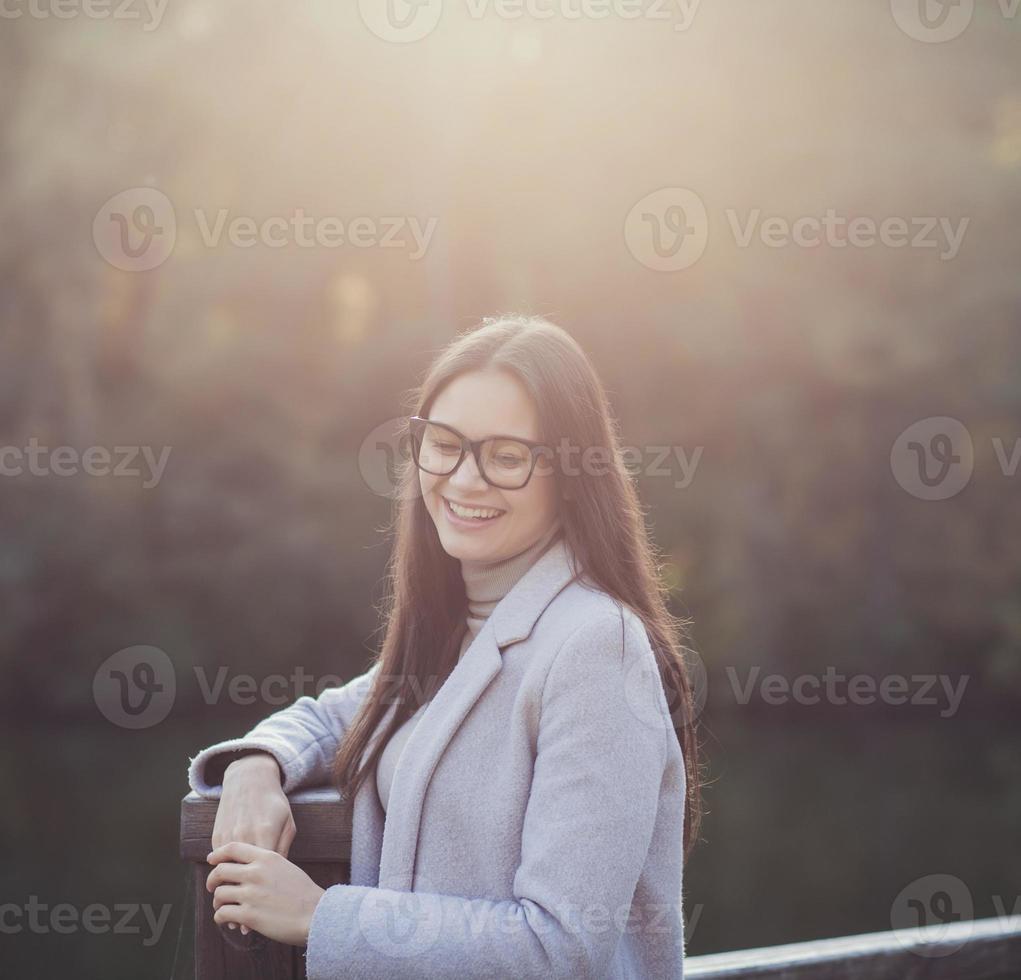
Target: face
[481, 404]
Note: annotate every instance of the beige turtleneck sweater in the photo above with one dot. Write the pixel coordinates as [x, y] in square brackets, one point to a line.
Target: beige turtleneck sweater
[486, 583]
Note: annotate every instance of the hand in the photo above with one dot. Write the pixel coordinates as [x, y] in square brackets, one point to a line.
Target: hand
[260, 889]
[254, 808]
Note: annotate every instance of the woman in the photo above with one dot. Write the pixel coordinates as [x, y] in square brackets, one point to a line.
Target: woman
[530, 823]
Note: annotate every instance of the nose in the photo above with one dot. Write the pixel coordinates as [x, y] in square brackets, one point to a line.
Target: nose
[467, 476]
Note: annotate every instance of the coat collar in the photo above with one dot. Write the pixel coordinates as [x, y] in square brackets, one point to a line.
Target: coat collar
[510, 622]
[518, 611]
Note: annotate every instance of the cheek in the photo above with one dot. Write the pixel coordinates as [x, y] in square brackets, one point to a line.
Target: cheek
[431, 487]
[426, 484]
[546, 487]
[537, 501]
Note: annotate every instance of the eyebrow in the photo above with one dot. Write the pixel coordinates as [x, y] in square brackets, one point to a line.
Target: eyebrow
[497, 435]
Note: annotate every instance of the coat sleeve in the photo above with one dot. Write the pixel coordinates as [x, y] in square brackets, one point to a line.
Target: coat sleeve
[587, 830]
[302, 737]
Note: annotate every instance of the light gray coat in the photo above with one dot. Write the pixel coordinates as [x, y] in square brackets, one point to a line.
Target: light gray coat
[535, 822]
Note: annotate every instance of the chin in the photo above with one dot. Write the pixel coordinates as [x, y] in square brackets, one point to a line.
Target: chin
[458, 547]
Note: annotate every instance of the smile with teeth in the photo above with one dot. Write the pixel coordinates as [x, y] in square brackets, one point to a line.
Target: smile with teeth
[479, 514]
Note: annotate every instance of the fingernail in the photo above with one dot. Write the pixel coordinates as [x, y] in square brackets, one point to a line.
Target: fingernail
[244, 930]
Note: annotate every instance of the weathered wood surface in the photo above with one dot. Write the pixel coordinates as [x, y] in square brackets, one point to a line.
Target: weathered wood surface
[988, 949]
[322, 847]
[322, 821]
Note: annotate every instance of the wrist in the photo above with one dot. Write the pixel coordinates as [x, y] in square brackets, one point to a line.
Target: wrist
[317, 894]
[257, 763]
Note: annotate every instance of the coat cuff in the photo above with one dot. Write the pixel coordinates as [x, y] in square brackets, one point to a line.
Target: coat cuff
[205, 771]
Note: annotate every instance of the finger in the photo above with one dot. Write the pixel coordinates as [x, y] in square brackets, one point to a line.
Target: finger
[228, 873]
[225, 874]
[231, 915]
[234, 850]
[227, 895]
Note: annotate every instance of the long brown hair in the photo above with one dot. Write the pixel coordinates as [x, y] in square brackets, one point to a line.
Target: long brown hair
[425, 606]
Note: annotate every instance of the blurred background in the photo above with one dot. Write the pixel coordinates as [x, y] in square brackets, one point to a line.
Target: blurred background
[233, 236]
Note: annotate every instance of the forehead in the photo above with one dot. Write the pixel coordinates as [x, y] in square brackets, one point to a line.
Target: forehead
[485, 403]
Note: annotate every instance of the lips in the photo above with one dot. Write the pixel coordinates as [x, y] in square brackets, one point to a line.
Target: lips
[459, 521]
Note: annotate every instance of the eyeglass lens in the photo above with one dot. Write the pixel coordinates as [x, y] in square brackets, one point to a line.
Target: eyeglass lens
[506, 462]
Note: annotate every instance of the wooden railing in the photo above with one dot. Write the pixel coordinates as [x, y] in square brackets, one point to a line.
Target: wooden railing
[322, 847]
[988, 949]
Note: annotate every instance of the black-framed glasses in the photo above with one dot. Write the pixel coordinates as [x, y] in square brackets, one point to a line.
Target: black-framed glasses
[504, 462]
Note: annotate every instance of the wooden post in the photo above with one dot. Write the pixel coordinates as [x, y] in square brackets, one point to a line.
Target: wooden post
[322, 848]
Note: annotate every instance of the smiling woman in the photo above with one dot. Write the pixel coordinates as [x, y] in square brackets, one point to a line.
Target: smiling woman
[528, 720]
[486, 483]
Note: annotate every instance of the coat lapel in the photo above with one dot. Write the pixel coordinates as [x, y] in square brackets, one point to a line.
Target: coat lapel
[511, 621]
